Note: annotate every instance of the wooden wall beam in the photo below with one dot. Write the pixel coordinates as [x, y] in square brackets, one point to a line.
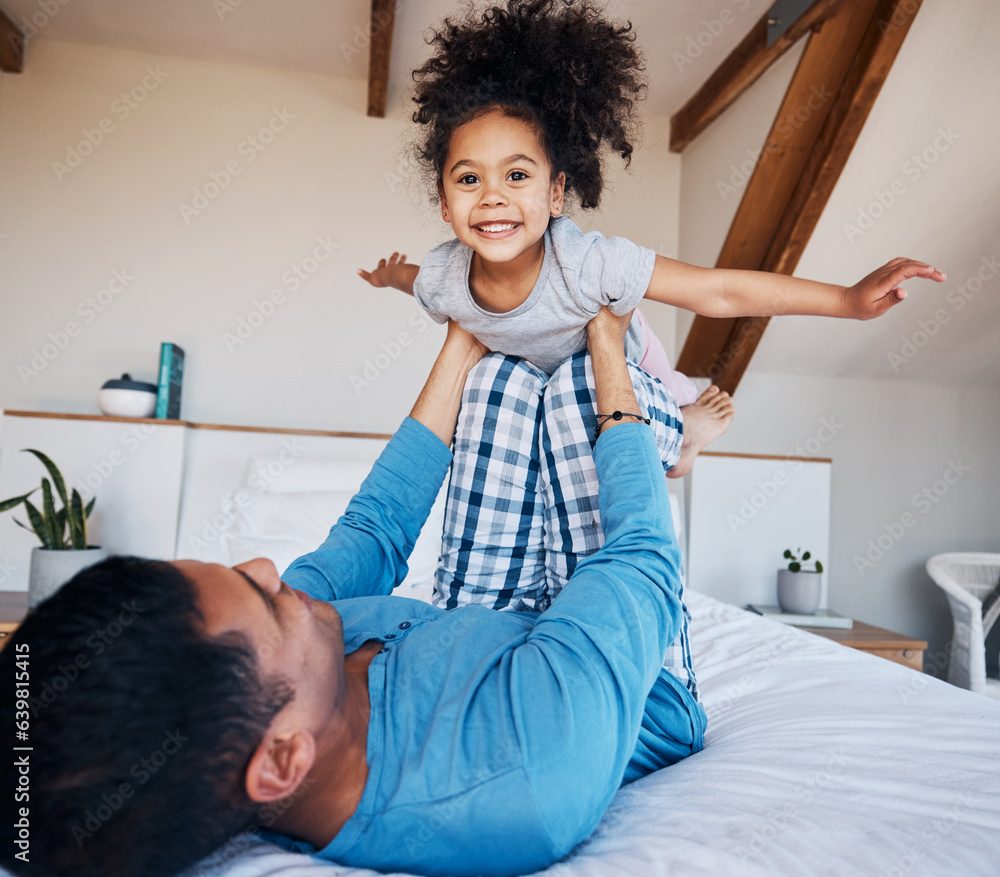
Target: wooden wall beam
[11, 46]
[793, 180]
[383, 22]
[741, 69]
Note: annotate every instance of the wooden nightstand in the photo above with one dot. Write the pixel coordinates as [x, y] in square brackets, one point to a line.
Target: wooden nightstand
[878, 641]
[13, 608]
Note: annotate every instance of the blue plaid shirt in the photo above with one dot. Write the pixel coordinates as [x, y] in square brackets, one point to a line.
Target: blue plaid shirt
[497, 739]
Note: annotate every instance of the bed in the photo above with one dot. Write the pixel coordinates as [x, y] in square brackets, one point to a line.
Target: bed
[819, 760]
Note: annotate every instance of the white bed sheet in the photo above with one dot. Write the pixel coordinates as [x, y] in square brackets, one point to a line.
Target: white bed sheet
[819, 760]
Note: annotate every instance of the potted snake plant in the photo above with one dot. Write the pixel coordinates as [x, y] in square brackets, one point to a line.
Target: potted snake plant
[62, 531]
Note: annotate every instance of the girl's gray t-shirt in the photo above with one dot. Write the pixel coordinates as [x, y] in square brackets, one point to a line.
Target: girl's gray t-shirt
[580, 274]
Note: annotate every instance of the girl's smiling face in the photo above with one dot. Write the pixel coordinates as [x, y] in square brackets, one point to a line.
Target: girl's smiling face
[497, 189]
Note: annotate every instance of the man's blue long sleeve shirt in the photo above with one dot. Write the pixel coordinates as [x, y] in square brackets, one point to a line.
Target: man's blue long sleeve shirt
[497, 739]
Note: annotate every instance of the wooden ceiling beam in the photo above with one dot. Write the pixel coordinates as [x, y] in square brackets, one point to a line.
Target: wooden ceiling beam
[11, 46]
[879, 47]
[383, 22]
[799, 168]
[819, 176]
[741, 69]
[713, 347]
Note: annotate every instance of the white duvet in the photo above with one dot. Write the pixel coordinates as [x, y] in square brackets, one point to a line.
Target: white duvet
[819, 760]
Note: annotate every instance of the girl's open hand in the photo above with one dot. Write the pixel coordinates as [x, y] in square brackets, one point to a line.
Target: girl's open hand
[881, 290]
[383, 274]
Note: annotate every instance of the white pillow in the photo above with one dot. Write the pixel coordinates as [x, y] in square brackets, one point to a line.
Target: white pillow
[284, 526]
[270, 474]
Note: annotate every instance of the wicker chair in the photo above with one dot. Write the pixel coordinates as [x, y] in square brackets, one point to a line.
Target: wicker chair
[967, 579]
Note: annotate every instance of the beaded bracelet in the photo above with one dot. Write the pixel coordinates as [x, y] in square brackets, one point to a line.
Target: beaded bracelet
[618, 415]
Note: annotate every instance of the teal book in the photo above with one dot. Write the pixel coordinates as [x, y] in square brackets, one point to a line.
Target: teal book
[169, 381]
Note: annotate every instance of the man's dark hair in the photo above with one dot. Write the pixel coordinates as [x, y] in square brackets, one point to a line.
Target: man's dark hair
[140, 725]
[557, 64]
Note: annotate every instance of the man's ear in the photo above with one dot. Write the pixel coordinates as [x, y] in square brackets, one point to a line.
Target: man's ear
[558, 194]
[279, 765]
[444, 203]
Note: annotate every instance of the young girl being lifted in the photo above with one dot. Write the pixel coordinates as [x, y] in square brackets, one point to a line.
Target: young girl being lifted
[521, 103]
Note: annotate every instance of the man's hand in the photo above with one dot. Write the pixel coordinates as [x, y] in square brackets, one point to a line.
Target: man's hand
[606, 327]
[881, 290]
[612, 381]
[394, 272]
[439, 401]
[464, 343]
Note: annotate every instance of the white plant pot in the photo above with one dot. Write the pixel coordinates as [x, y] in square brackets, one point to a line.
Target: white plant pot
[799, 592]
[50, 570]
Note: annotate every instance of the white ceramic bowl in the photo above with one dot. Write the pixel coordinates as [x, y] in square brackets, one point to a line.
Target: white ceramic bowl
[126, 403]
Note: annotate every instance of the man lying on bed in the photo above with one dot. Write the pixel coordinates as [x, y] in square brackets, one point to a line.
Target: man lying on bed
[374, 731]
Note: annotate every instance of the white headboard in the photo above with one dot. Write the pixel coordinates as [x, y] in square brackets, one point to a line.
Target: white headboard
[171, 489]
[215, 471]
[744, 511]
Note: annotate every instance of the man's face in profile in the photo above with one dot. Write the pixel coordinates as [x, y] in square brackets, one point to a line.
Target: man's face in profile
[293, 637]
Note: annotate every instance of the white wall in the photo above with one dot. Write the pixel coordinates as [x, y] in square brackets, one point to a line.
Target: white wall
[890, 439]
[331, 174]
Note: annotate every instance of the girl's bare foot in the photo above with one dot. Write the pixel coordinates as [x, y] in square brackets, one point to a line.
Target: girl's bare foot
[704, 422]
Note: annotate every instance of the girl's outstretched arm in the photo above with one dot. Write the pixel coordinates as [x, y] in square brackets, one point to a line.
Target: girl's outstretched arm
[394, 271]
[728, 292]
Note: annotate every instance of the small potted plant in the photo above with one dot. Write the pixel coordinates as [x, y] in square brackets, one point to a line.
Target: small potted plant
[62, 532]
[799, 589]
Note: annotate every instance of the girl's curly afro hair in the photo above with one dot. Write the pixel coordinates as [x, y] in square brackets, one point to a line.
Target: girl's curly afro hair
[558, 64]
